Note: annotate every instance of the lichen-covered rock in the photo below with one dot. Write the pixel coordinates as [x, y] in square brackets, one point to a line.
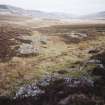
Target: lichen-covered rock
[58, 91]
[43, 39]
[27, 49]
[30, 45]
[29, 90]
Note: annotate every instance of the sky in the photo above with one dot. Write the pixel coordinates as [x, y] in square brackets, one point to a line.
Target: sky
[77, 7]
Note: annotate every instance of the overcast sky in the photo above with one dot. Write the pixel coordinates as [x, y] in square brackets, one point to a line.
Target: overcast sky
[79, 7]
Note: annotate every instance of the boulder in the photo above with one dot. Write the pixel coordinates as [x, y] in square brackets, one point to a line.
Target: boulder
[28, 49]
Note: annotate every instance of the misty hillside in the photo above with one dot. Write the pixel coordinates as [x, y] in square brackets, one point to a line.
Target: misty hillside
[98, 15]
[11, 10]
[6, 9]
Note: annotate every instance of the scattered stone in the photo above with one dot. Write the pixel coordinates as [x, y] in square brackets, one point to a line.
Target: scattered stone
[29, 90]
[94, 51]
[78, 35]
[51, 89]
[27, 49]
[43, 39]
[62, 72]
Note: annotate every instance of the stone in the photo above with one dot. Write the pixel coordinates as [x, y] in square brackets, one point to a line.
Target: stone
[27, 49]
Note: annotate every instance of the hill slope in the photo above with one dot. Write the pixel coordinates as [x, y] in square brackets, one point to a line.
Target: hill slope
[11, 10]
[99, 15]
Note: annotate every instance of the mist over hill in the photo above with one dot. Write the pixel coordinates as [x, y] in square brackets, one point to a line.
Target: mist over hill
[98, 15]
[12, 10]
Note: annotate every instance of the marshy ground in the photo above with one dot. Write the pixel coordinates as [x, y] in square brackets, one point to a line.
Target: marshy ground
[59, 48]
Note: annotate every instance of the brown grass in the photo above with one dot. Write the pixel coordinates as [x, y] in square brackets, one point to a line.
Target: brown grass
[56, 55]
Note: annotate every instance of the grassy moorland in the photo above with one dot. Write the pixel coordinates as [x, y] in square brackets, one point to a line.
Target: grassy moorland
[61, 48]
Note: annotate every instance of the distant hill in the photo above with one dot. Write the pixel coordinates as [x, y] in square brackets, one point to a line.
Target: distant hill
[16, 11]
[98, 15]
[11, 10]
